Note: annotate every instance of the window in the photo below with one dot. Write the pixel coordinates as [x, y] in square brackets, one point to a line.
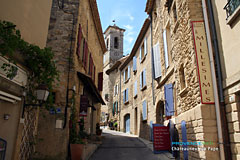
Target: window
[90, 67]
[182, 77]
[107, 44]
[157, 61]
[143, 79]
[100, 81]
[231, 8]
[143, 50]
[167, 46]
[106, 97]
[116, 42]
[134, 64]
[135, 89]
[144, 110]
[125, 96]
[115, 90]
[126, 74]
[85, 55]
[115, 108]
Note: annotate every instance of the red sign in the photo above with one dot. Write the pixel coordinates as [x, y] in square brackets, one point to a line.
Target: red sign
[83, 105]
[161, 138]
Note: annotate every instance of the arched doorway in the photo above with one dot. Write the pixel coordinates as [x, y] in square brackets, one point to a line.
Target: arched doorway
[160, 112]
[127, 123]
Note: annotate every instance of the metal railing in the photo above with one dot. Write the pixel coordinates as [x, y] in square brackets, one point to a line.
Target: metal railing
[231, 6]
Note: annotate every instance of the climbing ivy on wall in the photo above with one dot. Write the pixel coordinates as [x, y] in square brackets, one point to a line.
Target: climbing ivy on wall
[39, 61]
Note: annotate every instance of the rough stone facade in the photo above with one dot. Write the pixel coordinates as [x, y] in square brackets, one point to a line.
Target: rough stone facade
[200, 119]
[65, 21]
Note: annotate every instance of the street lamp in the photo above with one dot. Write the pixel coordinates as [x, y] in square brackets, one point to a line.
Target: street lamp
[41, 95]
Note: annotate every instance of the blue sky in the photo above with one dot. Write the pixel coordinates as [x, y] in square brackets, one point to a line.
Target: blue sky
[128, 14]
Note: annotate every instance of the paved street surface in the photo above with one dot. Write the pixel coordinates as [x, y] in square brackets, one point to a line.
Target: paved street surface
[122, 146]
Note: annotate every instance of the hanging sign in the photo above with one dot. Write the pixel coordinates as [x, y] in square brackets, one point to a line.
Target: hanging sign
[161, 138]
[83, 105]
[203, 62]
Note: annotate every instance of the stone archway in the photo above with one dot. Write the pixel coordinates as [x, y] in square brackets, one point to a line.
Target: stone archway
[160, 112]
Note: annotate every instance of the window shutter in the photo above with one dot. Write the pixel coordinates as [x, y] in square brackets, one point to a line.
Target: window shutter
[124, 76]
[134, 63]
[144, 77]
[140, 54]
[165, 48]
[157, 61]
[169, 105]
[100, 81]
[79, 41]
[117, 89]
[116, 107]
[135, 88]
[127, 95]
[114, 90]
[123, 96]
[113, 112]
[129, 67]
[141, 80]
[144, 110]
[184, 139]
[145, 46]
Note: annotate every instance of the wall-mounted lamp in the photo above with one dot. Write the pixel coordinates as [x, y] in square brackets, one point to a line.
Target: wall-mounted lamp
[41, 94]
[6, 116]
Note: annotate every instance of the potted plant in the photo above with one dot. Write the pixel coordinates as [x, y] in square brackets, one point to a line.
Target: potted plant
[115, 125]
[98, 130]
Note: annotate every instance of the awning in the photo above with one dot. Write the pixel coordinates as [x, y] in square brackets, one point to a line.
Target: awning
[88, 83]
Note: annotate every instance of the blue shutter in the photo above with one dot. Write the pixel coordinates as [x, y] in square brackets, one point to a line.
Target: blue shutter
[141, 80]
[145, 46]
[144, 77]
[151, 130]
[129, 67]
[144, 110]
[169, 105]
[157, 61]
[124, 76]
[123, 96]
[134, 63]
[165, 47]
[135, 88]
[140, 54]
[184, 139]
[126, 94]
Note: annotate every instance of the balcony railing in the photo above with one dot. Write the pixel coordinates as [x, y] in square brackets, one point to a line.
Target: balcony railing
[231, 6]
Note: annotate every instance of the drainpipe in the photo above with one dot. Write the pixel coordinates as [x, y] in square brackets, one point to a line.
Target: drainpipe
[153, 96]
[120, 92]
[220, 122]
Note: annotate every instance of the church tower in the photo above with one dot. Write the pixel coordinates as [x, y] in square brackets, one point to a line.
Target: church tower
[114, 43]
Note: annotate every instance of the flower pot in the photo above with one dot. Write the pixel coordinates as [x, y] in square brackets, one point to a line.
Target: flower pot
[76, 151]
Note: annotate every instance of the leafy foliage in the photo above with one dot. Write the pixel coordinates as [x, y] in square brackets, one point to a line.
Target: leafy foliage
[40, 61]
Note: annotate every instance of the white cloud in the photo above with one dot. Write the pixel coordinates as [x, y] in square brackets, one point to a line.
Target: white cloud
[130, 17]
[128, 27]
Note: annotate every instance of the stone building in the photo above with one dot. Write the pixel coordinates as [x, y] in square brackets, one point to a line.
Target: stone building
[224, 27]
[184, 93]
[17, 127]
[75, 35]
[111, 60]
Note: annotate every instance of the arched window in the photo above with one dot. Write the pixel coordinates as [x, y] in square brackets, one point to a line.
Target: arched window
[116, 42]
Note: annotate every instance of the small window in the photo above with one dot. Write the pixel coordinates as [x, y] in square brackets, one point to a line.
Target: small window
[167, 46]
[115, 90]
[126, 74]
[182, 77]
[143, 79]
[135, 89]
[116, 42]
[125, 96]
[107, 44]
[106, 97]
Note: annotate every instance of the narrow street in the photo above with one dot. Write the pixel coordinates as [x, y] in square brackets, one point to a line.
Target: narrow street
[122, 146]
